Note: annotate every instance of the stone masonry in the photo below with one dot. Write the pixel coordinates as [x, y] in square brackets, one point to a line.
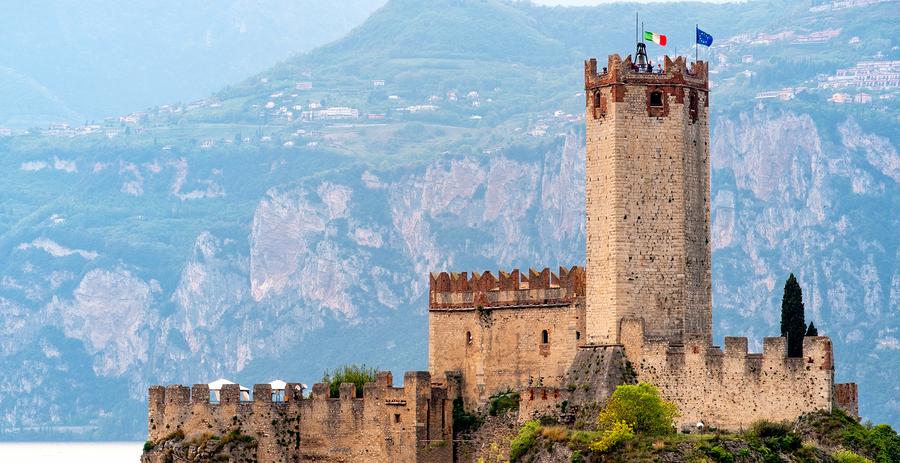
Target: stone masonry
[641, 307]
[412, 423]
[646, 291]
[647, 200]
[511, 332]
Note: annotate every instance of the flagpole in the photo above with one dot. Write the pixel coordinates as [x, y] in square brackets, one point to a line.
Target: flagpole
[696, 45]
[635, 28]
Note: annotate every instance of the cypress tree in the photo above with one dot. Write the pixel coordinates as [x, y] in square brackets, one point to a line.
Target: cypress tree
[793, 325]
[811, 330]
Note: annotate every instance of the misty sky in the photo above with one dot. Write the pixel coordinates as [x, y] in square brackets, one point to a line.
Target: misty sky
[597, 2]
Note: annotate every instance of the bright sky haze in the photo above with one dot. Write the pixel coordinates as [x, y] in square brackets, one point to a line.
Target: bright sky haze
[597, 2]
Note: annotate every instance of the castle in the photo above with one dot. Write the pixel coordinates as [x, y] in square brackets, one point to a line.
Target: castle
[642, 306]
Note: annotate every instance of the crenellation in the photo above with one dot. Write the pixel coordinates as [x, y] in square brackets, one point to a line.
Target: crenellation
[458, 291]
[230, 394]
[177, 395]
[774, 348]
[386, 424]
[735, 346]
[731, 389]
[347, 391]
[200, 394]
[262, 393]
[320, 391]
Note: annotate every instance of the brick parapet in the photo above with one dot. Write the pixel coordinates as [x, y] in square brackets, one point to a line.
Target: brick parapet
[846, 398]
[621, 71]
[459, 291]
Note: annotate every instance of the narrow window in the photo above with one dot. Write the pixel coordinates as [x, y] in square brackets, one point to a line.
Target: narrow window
[396, 417]
[468, 337]
[545, 337]
[694, 106]
[577, 335]
[656, 99]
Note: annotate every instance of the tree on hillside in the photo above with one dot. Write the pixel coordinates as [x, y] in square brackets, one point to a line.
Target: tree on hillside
[811, 330]
[793, 325]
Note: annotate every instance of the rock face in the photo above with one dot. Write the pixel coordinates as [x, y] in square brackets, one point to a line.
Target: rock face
[251, 298]
[789, 199]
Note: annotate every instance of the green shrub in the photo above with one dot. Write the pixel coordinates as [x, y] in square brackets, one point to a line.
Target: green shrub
[766, 429]
[887, 443]
[612, 436]
[463, 421]
[641, 407]
[719, 454]
[846, 456]
[880, 442]
[235, 435]
[358, 375]
[504, 402]
[787, 442]
[576, 457]
[148, 446]
[524, 440]
[806, 454]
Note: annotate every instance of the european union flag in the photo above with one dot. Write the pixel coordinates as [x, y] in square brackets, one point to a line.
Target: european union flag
[703, 38]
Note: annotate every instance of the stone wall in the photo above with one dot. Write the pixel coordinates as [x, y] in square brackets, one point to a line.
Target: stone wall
[647, 200]
[846, 398]
[412, 423]
[732, 389]
[513, 332]
[537, 402]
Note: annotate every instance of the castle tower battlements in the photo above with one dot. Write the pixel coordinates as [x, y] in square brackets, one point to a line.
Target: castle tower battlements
[647, 200]
[458, 291]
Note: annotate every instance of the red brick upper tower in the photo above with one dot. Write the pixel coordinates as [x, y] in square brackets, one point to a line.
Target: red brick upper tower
[648, 231]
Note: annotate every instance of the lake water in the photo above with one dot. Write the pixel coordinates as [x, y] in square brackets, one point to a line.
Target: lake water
[71, 452]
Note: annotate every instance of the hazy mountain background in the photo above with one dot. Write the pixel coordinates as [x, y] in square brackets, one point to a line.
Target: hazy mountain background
[72, 61]
[286, 223]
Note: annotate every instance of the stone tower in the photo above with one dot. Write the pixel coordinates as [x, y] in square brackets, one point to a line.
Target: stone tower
[648, 231]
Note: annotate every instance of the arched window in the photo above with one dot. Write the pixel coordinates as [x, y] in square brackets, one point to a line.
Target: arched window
[468, 337]
[656, 99]
[545, 337]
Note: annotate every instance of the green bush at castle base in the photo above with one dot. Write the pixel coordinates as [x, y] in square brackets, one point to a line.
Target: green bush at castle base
[631, 411]
[636, 426]
[846, 456]
[503, 402]
[641, 407]
[524, 440]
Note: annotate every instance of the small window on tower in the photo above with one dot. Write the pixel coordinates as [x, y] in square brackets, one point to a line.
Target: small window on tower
[468, 337]
[694, 106]
[545, 337]
[656, 99]
[577, 335]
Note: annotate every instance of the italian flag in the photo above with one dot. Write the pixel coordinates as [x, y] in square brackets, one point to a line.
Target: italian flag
[658, 39]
